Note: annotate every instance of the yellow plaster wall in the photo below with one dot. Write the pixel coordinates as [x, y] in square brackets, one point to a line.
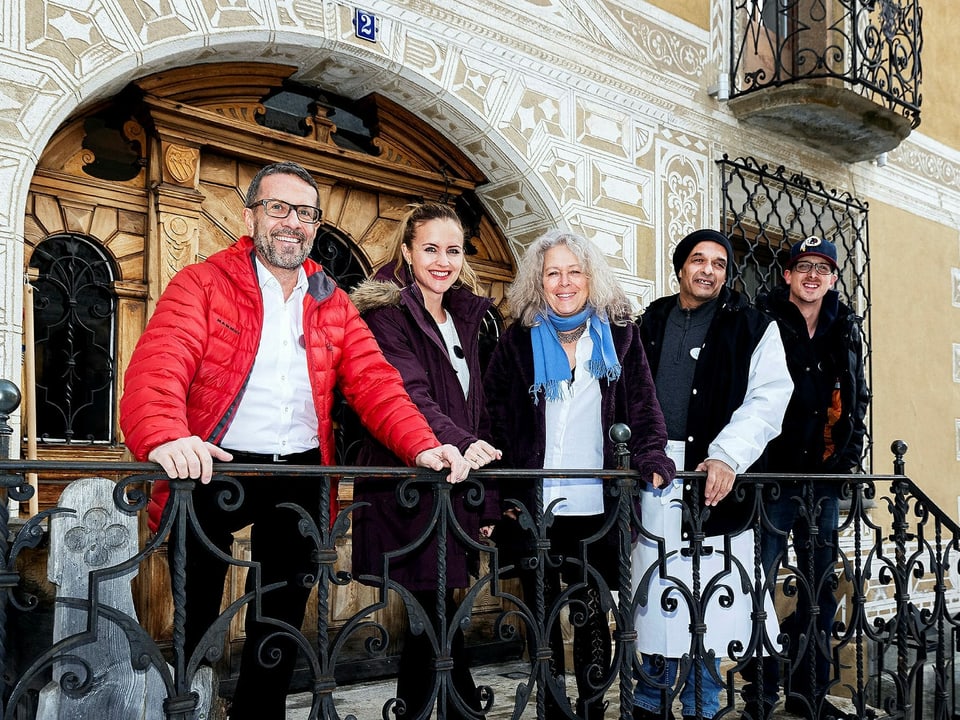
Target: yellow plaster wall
[914, 327]
[693, 11]
[939, 85]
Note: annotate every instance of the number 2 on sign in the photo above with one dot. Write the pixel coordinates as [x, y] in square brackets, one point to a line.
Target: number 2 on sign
[365, 25]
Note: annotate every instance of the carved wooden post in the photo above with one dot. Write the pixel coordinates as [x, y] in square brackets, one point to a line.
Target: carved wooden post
[106, 667]
[175, 215]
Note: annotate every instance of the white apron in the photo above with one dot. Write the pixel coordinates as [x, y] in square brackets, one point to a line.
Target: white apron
[667, 632]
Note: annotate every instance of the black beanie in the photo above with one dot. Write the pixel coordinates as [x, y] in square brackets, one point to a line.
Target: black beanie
[686, 246]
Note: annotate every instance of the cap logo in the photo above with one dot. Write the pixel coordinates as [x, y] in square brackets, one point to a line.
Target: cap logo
[811, 242]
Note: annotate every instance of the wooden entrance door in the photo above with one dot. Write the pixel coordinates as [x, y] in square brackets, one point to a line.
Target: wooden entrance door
[191, 140]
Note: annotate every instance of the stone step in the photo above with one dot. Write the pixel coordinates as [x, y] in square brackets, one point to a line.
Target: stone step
[365, 700]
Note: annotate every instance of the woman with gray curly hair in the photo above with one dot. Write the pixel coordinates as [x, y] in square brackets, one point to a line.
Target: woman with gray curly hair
[527, 295]
[569, 368]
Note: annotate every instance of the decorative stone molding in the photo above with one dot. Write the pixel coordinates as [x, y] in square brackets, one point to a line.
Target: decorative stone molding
[928, 164]
[683, 206]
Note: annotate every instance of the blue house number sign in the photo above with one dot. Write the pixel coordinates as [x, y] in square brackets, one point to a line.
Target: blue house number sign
[365, 25]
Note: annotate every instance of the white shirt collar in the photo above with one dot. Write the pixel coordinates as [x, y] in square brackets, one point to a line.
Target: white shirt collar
[264, 276]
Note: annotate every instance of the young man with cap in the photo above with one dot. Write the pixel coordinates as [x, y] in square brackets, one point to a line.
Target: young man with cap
[823, 433]
[723, 385]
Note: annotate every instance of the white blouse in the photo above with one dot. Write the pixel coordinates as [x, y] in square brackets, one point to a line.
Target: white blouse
[451, 338]
[575, 440]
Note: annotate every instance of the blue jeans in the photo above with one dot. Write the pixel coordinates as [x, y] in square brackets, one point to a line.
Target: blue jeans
[649, 696]
[785, 517]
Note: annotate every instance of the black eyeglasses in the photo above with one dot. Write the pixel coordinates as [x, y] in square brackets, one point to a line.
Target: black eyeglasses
[805, 266]
[280, 209]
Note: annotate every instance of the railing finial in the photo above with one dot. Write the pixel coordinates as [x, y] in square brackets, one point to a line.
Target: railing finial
[899, 449]
[9, 401]
[620, 434]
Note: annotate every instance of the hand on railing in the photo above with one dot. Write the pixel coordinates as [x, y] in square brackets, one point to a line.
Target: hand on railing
[188, 457]
[481, 453]
[720, 477]
[445, 456]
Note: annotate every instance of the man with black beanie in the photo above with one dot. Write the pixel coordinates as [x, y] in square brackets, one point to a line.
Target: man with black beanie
[723, 385]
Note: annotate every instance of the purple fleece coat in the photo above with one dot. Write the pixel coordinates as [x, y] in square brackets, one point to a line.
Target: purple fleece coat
[412, 343]
[519, 425]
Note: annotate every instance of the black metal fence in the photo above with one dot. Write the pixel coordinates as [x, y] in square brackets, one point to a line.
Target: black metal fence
[871, 45]
[890, 647]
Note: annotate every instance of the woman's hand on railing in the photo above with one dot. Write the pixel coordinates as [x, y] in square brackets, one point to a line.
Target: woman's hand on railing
[481, 453]
[445, 456]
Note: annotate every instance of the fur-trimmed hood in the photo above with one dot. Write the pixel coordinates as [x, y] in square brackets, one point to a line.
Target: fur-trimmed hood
[374, 294]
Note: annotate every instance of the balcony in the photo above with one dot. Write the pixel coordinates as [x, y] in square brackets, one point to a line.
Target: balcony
[892, 644]
[841, 76]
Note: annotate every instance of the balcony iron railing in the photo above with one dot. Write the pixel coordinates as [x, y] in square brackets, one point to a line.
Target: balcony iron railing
[872, 45]
[893, 640]
[842, 76]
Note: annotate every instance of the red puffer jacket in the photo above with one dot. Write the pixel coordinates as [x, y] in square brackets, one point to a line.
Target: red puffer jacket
[187, 373]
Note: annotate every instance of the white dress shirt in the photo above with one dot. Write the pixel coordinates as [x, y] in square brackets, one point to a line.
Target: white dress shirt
[276, 414]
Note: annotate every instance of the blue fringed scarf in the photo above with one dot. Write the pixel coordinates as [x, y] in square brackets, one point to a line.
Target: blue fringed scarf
[550, 364]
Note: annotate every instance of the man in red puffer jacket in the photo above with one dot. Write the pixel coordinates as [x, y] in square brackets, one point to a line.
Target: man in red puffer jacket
[239, 362]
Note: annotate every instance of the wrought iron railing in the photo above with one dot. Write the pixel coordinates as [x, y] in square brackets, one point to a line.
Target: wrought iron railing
[893, 640]
[872, 46]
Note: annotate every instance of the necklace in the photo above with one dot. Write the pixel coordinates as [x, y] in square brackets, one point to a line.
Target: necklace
[571, 335]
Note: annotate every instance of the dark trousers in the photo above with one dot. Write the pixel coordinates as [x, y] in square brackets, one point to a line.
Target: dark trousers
[810, 674]
[591, 633]
[416, 678]
[282, 556]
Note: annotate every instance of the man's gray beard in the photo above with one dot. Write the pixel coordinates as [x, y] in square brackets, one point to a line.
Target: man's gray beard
[269, 252]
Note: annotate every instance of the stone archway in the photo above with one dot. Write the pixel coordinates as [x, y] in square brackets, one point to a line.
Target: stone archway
[157, 175]
[77, 60]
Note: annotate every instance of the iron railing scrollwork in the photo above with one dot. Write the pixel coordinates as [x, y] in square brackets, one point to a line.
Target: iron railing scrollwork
[872, 46]
[896, 572]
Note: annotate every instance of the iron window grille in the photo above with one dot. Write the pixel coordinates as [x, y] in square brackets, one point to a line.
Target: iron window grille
[74, 310]
[765, 211]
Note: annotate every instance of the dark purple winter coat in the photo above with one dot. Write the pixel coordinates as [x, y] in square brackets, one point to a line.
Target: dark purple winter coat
[518, 424]
[412, 343]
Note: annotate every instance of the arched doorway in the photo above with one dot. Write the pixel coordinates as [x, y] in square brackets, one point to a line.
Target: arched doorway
[156, 176]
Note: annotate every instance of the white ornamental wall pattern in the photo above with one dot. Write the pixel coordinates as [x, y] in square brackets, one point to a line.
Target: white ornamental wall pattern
[539, 111]
[462, 70]
[477, 83]
[684, 201]
[85, 31]
[564, 170]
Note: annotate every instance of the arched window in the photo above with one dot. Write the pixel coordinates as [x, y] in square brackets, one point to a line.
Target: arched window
[334, 251]
[75, 328]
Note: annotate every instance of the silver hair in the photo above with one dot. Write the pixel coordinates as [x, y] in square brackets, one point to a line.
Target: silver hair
[526, 296]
